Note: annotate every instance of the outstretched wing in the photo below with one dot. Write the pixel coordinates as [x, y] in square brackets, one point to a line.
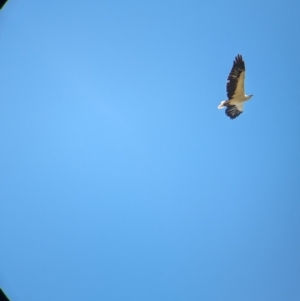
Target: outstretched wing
[236, 77]
[234, 111]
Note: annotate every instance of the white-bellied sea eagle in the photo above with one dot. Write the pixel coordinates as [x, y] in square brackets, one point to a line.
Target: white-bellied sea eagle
[235, 89]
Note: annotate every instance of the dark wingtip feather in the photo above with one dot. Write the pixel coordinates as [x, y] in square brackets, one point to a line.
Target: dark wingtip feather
[232, 112]
[239, 62]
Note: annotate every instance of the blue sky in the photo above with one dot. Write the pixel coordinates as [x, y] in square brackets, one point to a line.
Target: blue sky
[120, 179]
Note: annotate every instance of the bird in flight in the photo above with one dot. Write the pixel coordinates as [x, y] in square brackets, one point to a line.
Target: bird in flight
[235, 89]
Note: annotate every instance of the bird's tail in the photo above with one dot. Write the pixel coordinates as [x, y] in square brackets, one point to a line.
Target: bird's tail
[222, 104]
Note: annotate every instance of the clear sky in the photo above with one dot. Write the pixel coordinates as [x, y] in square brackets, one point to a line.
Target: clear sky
[120, 179]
